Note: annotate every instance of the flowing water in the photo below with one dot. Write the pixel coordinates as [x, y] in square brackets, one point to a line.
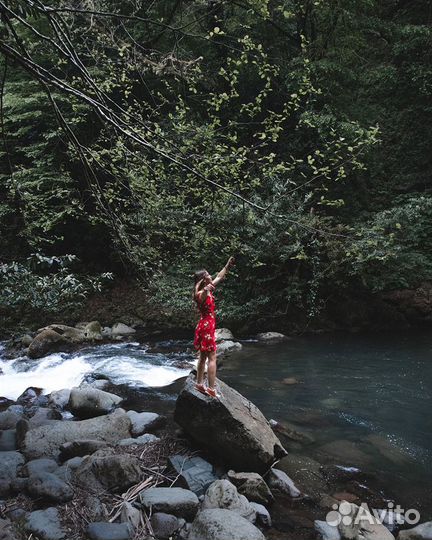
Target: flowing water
[364, 401]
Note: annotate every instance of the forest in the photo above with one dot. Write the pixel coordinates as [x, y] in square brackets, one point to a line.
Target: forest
[143, 140]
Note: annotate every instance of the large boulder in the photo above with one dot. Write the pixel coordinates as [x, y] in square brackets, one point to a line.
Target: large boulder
[120, 330]
[46, 342]
[223, 334]
[221, 524]
[176, 501]
[231, 427]
[223, 494]
[93, 331]
[69, 333]
[10, 463]
[228, 346]
[87, 402]
[80, 448]
[305, 473]
[48, 486]
[46, 440]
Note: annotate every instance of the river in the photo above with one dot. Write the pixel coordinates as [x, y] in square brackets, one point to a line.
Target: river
[358, 400]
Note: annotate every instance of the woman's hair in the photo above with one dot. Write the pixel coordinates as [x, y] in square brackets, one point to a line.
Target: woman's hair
[198, 276]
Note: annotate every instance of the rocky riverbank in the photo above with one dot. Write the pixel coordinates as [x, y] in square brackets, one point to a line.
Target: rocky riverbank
[75, 464]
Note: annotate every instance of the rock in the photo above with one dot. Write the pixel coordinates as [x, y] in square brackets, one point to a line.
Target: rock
[120, 329]
[109, 531]
[46, 440]
[220, 524]
[130, 515]
[291, 432]
[223, 494]
[194, 473]
[289, 381]
[10, 463]
[93, 331]
[327, 531]
[271, 336]
[48, 486]
[144, 422]
[112, 472]
[223, 334]
[143, 439]
[45, 524]
[80, 448]
[8, 440]
[177, 501]
[69, 333]
[41, 465]
[252, 486]
[262, 515]
[95, 509]
[421, 532]
[16, 514]
[359, 524]
[26, 340]
[106, 332]
[89, 402]
[346, 452]
[232, 427]
[42, 416]
[19, 485]
[73, 463]
[165, 525]
[280, 481]
[9, 419]
[29, 398]
[59, 398]
[6, 530]
[305, 473]
[47, 341]
[225, 347]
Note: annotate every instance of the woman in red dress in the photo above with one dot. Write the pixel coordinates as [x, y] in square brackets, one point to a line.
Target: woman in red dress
[205, 339]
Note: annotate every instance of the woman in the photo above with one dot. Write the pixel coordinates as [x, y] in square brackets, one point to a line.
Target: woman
[205, 339]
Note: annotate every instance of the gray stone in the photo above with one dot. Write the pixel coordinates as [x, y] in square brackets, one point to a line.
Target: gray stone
[280, 481]
[109, 531]
[59, 398]
[17, 514]
[26, 340]
[232, 427]
[177, 501]
[45, 524]
[131, 515]
[9, 419]
[10, 463]
[271, 336]
[93, 331]
[96, 510]
[46, 440]
[19, 485]
[220, 524]
[73, 463]
[119, 329]
[49, 486]
[327, 531]
[46, 342]
[5, 487]
[89, 402]
[143, 439]
[262, 515]
[41, 465]
[80, 448]
[112, 472]
[362, 525]
[8, 440]
[144, 422]
[42, 416]
[305, 473]
[228, 346]
[252, 486]
[223, 494]
[165, 525]
[224, 334]
[194, 473]
[7, 531]
[421, 532]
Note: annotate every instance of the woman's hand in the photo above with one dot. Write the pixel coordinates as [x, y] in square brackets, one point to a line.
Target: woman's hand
[210, 287]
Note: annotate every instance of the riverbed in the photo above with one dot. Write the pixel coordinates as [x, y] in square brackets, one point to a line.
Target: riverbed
[362, 401]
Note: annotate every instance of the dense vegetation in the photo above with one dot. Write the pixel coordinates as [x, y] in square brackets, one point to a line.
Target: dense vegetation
[149, 139]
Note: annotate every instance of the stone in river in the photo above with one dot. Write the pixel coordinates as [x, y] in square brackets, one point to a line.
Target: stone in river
[359, 524]
[177, 501]
[87, 402]
[231, 427]
[305, 473]
[223, 494]
[280, 481]
[119, 330]
[224, 334]
[221, 524]
[421, 532]
[252, 486]
[225, 347]
[262, 515]
[271, 337]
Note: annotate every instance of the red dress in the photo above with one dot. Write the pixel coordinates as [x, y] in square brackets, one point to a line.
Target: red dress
[205, 339]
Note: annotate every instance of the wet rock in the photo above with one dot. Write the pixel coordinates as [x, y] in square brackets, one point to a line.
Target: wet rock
[387, 449]
[220, 524]
[262, 515]
[345, 452]
[9, 419]
[341, 474]
[291, 432]
[80, 448]
[252, 486]
[280, 481]
[421, 532]
[112, 472]
[194, 473]
[223, 334]
[271, 336]
[106, 332]
[143, 439]
[144, 422]
[45, 524]
[223, 494]
[109, 531]
[359, 524]
[8, 440]
[48, 486]
[93, 331]
[289, 381]
[46, 440]
[42, 416]
[7, 531]
[46, 342]
[120, 330]
[225, 347]
[59, 398]
[165, 525]
[41, 465]
[26, 339]
[305, 473]
[327, 531]
[89, 402]
[232, 427]
[177, 501]
[130, 515]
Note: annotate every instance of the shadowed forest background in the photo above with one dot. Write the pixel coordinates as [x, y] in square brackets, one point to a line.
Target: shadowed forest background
[143, 140]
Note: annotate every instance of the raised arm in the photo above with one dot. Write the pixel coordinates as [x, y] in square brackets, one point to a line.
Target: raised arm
[221, 275]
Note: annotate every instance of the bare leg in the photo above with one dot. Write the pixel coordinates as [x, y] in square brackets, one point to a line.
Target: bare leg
[211, 370]
[201, 367]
